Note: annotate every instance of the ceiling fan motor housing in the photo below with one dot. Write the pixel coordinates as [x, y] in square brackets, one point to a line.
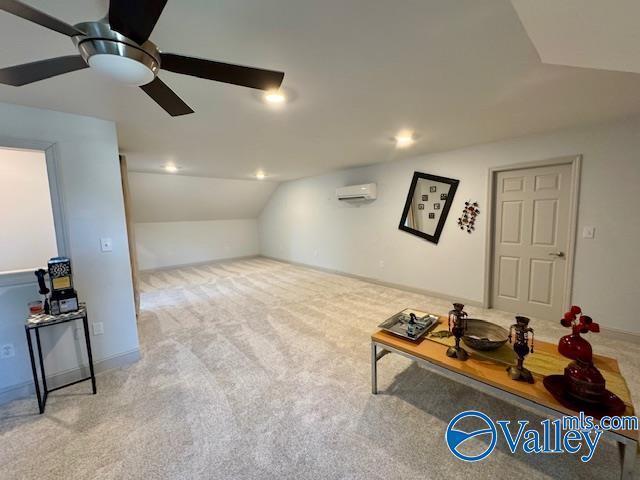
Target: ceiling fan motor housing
[116, 56]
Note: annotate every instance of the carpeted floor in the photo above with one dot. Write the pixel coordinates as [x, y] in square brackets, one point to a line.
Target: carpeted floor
[257, 369]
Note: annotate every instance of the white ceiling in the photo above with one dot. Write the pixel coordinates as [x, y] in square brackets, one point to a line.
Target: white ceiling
[459, 73]
[177, 198]
[584, 33]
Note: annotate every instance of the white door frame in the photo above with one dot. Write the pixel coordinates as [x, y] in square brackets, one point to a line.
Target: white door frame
[576, 164]
[50, 150]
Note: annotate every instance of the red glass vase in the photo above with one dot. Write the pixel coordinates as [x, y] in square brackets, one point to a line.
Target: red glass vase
[584, 382]
[575, 347]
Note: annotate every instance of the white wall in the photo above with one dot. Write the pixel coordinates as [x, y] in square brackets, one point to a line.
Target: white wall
[181, 219]
[89, 180]
[303, 221]
[165, 244]
[157, 197]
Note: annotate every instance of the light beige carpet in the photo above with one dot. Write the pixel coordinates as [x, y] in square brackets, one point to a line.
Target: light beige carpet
[257, 369]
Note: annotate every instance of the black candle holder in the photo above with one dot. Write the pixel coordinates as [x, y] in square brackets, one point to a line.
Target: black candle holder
[457, 326]
[521, 347]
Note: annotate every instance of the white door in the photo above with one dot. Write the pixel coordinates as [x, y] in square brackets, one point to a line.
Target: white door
[531, 240]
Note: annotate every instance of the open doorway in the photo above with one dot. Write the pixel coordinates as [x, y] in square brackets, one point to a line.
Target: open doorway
[130, 231]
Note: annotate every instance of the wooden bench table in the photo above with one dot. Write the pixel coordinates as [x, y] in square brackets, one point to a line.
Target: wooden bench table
[491, 378]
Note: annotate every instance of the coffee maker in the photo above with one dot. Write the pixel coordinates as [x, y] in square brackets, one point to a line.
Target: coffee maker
[63, 298]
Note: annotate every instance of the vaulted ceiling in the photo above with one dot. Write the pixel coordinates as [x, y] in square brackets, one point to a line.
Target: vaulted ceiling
[177, 198]
[584, 33]
[459, 73]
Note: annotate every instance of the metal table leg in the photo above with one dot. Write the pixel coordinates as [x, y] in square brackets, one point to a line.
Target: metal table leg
[375, 356]
[41, 361]
[374, 369]
[36, 382]
[85, 323]
[628, 453]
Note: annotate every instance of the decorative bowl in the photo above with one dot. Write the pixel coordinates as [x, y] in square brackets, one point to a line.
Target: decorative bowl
[483, 335]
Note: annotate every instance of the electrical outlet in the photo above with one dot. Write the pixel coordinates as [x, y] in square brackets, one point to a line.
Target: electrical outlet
[315, 253]
[7, 350]
[98, 328]
[381, 263]
[106, 245]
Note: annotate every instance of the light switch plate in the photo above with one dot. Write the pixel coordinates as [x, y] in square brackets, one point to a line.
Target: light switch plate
[589, 232]
[106, 245]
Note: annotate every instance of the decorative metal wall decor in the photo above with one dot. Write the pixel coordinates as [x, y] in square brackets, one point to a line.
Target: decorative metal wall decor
[427, 206]
[467, 220]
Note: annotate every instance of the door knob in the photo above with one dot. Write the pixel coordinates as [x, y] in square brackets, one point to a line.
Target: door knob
[557, 254]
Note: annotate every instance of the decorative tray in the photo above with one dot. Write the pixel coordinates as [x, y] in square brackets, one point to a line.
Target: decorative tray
[400, 321]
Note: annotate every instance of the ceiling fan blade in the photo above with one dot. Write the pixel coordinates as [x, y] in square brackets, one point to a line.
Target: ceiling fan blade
[166, 98]
[36, 16]
[26, 73]
[222, 72]
[135, 19]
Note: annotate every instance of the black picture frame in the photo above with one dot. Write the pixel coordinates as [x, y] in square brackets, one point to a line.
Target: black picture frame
[444, 212]
[421, 206]
[425, 198]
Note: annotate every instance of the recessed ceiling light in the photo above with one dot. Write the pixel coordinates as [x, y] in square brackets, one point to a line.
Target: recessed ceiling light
[275, 97]
[260, 175]
[171, 168]
[404, 139]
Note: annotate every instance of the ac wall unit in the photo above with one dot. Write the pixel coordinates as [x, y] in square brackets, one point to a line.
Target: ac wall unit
[367, 191]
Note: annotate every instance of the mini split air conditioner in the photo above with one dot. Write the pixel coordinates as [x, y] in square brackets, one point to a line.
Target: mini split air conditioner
[367, 191]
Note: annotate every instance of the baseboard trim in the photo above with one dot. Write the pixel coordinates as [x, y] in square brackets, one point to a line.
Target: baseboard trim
[26, 389]
[620, 335]
[375, 281]
[198, 264]
[610, 333]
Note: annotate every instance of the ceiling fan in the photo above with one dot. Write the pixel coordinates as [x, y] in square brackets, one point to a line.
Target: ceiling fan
[118, 46]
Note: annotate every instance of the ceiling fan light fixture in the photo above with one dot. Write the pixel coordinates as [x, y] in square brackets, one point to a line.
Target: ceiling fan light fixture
[122, 69]
[114, 56]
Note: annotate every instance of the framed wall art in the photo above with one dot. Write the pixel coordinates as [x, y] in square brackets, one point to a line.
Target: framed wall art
[425, 218]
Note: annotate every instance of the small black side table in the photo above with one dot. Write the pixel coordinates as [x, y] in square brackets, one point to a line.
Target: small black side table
[36, 322]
